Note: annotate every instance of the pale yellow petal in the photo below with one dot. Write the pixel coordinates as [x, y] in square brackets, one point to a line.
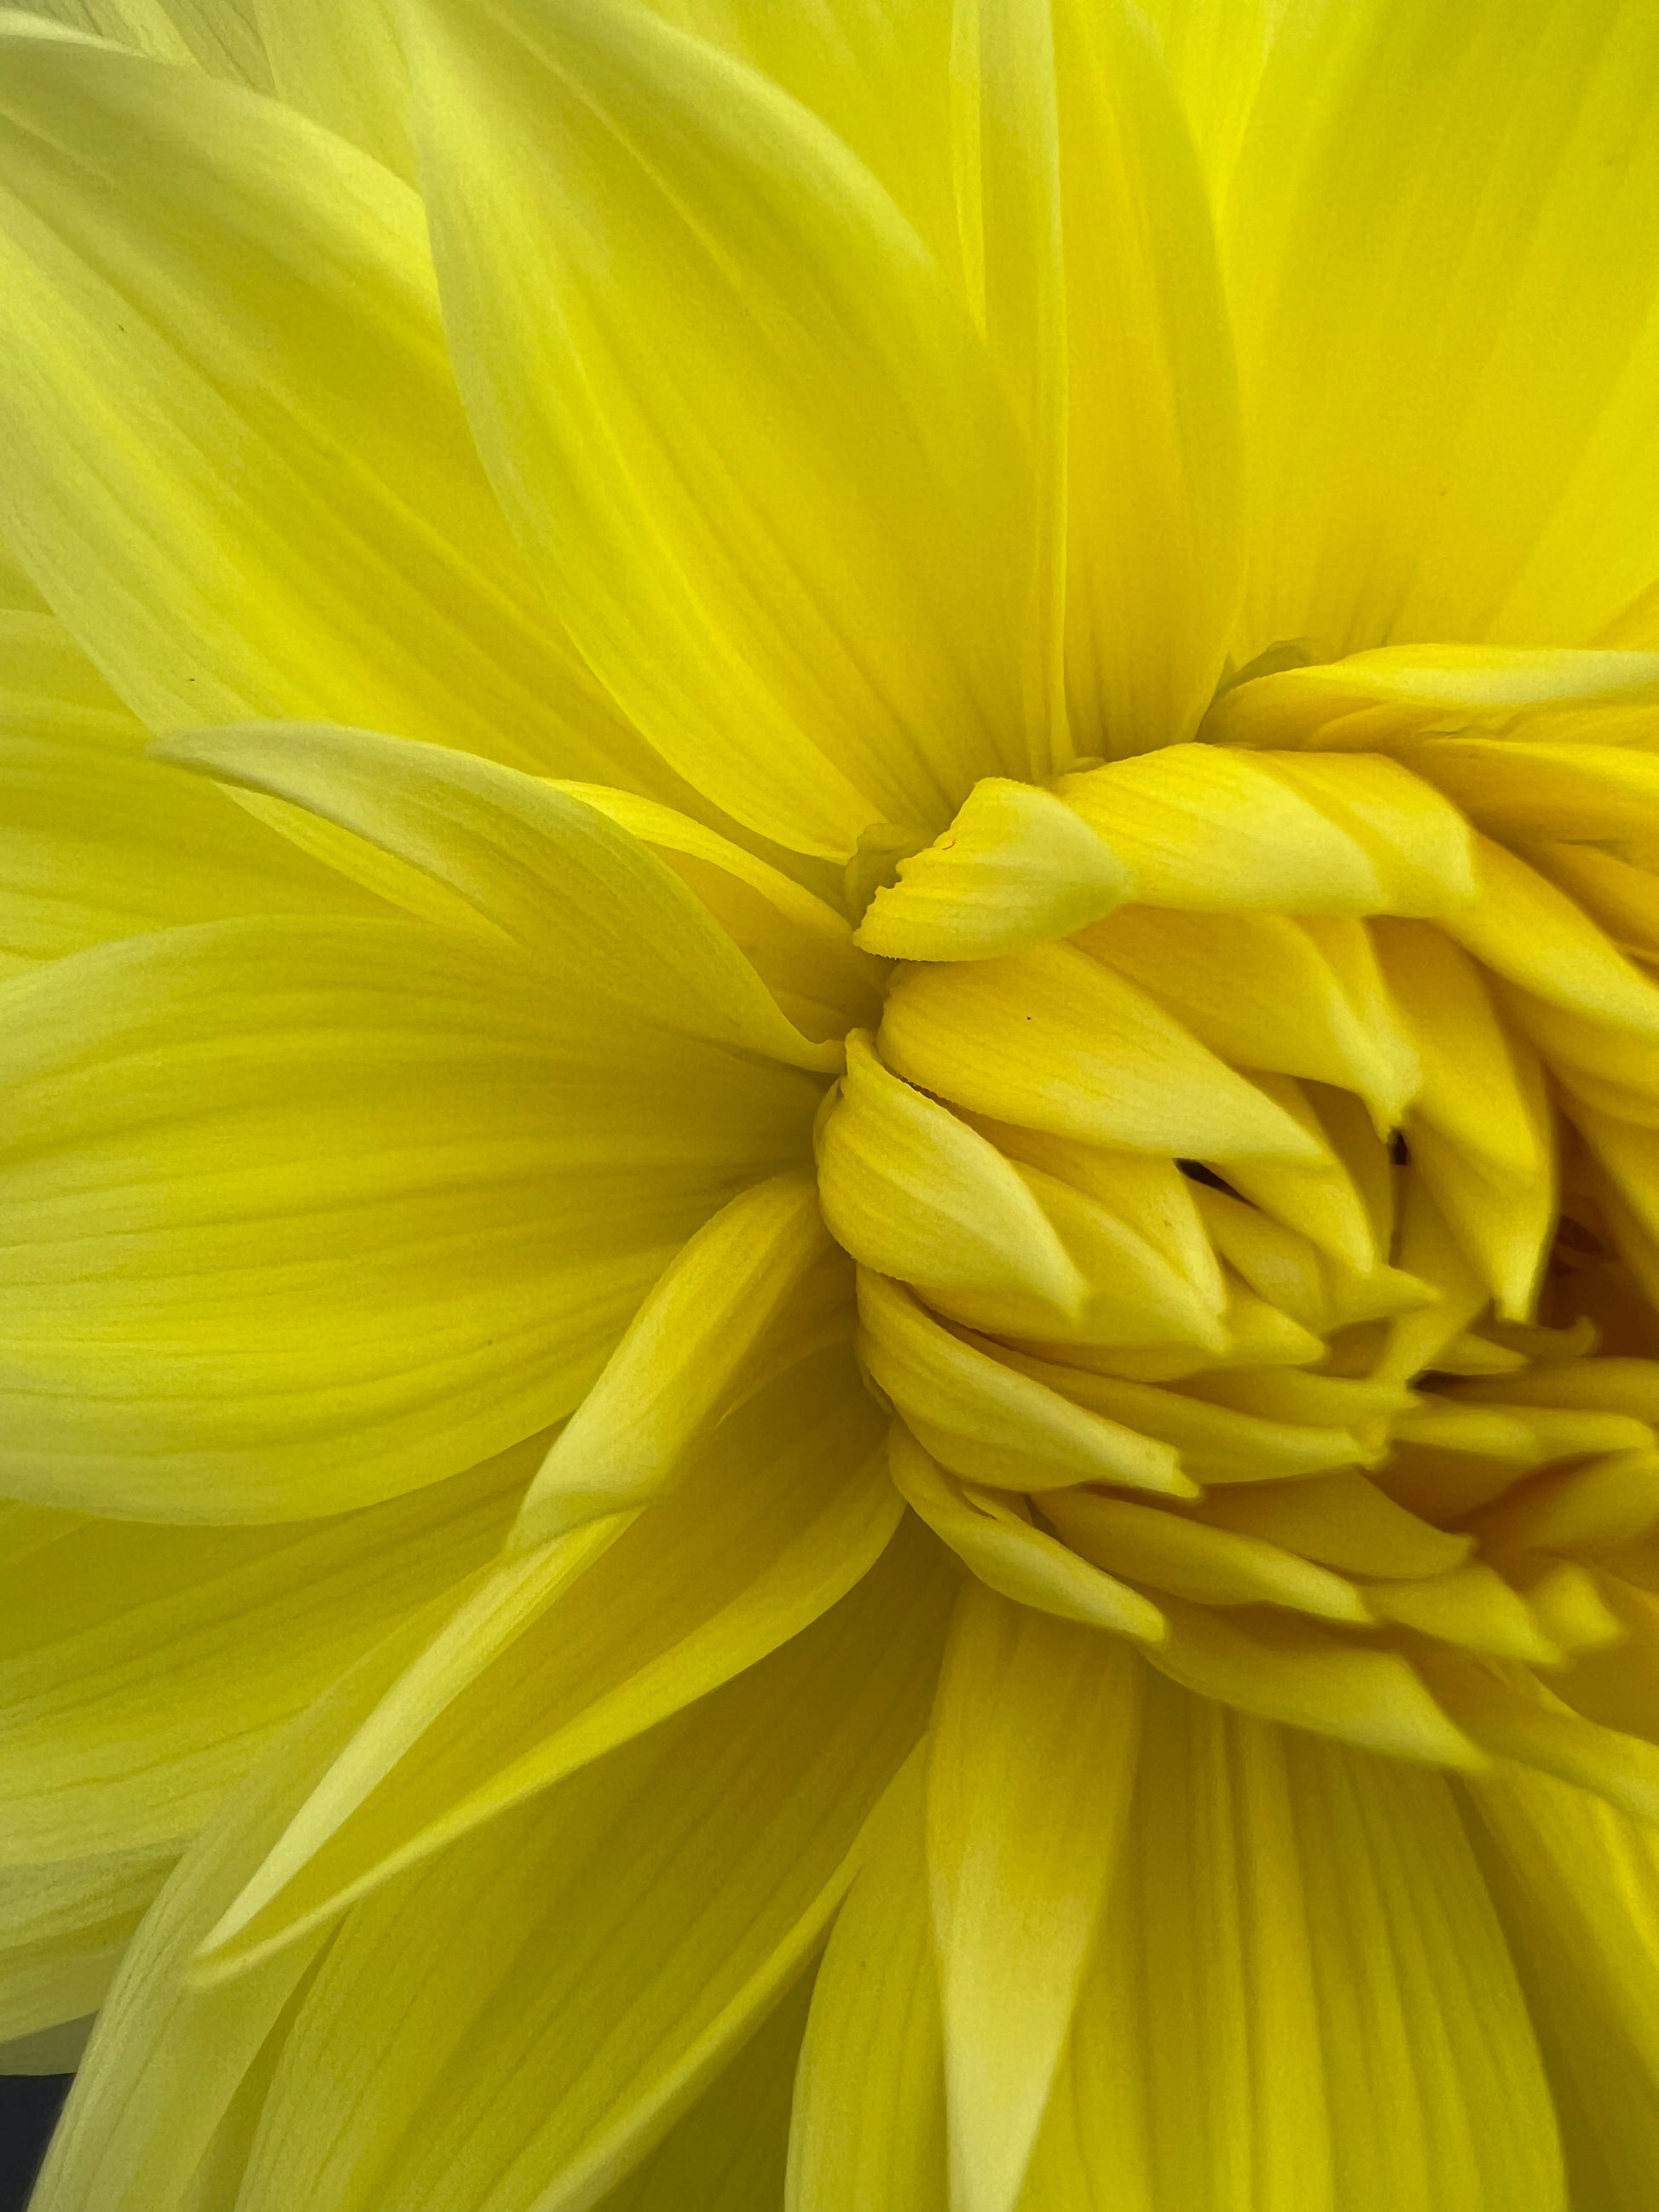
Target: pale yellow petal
[167, 2060]
[66, 1924]
[237, 466]
[343, 67]
[559, 877]
[96, 841]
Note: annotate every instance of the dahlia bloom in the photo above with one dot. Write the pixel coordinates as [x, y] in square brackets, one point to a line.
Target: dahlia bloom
[830, 1253]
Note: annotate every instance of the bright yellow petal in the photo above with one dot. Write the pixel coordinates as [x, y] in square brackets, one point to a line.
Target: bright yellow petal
[237, 465]
[564, 1982]
[303, 1214]
[1054, 1040]
[1301, 1996]
[545, 1668]
[1153, 494]
[1445, 269]
[1031, 1760]
[143, 1669]
[815, 619]
[869, 2115]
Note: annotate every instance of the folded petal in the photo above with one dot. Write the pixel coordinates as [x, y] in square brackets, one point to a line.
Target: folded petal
[302, 1214]
[558, 876]
[235, 462]
[742, 422]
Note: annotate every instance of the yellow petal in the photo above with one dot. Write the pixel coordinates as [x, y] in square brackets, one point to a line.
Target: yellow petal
[749, 1275]
[294, 1183]
[1053, 1039]
[1344, 1520]
[570, 1977]
[1194, 1559]
[994, 1534]
[554, 1661]
[816, 621]
[143, 1669]
[238, 469]
[98, 842]
[215, 35]
[67, 1923]
[1016, 867]
[1301, 1995]
[985, 1419]
[912, 1192]
[1290, 1671]
[167, 2060]
[1396, 694]
[1152, 493]
[869, 2118]
[1577, 1884]
[1522, 927]
[344, 67]
[731, 2148]
[559, 879]
[1215, 1443]
[1432, 387]
[799, 942]
[1031, 1760]
[1419, 844]
[880, 79]
[1219, 832]
[1263, 992]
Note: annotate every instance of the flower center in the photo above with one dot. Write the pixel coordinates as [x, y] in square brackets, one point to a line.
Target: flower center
[1244, 1255]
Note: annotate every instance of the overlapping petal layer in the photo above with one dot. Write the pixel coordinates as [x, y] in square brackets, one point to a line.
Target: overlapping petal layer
[1124, 1444]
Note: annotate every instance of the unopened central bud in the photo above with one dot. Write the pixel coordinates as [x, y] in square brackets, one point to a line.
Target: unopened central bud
[1201, 1180]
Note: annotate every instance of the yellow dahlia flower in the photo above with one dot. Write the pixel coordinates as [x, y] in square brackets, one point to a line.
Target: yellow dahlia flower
[830, 1255]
